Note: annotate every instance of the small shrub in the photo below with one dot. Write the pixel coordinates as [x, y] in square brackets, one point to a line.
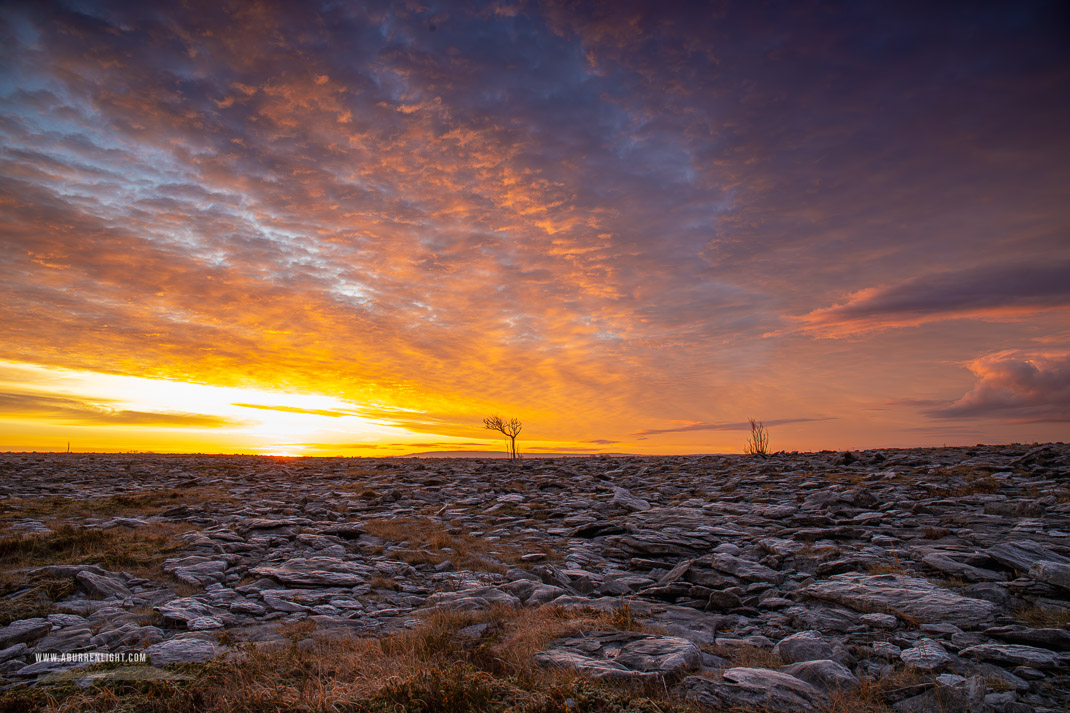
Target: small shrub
[935, 533]
[380, 582]
[758, 444]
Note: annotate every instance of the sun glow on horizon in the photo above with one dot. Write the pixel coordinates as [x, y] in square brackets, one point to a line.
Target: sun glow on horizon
[75, 404]
[237, 232]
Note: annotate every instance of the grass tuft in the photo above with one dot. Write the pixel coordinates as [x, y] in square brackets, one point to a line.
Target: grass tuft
[1044, 617]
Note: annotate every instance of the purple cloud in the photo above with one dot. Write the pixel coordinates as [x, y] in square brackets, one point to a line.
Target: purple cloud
[738, 426]
[1019, 388]
[986, 291]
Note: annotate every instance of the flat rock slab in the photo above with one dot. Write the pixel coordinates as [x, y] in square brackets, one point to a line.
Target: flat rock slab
[754, 687]
[102, 586]
[1023, 554]
[804, 646]
[622, 655]
[910, 596]
[247, 526]
[315, 571]
[12, 652]
[824, 675]
[475, 599]
[184, 610]
[744, 569]
[959, 569]
[23, 631]
[181, 651]
[66, 640]
[1014, 655]
[198, 571]
[1054, 573]
[927, 655]
[42, 668]
[1054, 639]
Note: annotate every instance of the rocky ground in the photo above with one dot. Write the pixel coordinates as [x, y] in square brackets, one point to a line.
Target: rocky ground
[822, 570]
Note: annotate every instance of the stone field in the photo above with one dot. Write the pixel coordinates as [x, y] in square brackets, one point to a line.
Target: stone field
[777, 583]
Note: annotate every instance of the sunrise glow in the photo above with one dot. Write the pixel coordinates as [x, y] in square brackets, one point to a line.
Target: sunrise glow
[358, 228]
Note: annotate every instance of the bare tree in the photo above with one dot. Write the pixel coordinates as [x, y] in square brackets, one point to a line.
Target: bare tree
[759, 439]
[510, 429]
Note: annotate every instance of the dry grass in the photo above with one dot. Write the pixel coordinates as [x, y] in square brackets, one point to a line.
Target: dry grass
[439, 665]
[893, 567]
[138, 551]
[974, 484]
[908, 619]
[871, 696]
[750, 656]
[379, 582]
[843, 477]
[454, 662]
[432, 542]
[54, 509]
[1044, 617]
[23, 597]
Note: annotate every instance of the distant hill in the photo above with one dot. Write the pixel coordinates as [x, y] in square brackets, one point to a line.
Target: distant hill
[501, 454]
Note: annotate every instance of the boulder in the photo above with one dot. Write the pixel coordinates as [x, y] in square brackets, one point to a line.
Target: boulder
[824, 674]
[754, 688]
[804, 646]
[624, 499]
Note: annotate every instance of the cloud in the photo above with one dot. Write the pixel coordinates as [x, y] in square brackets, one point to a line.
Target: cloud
[562, 449]
[738, 426]
[991, 291]
[1015, 387]
[388, 446]
[589, 213]
[74, 410]
[333, 413]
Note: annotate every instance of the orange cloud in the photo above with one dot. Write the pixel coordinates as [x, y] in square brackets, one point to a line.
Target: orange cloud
[71, 409]
[588, 219]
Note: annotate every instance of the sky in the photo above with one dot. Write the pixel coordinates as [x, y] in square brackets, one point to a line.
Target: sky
[332, 228]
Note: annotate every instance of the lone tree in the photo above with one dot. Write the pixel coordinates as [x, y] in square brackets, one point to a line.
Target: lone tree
[758, 444]
[510, 429]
